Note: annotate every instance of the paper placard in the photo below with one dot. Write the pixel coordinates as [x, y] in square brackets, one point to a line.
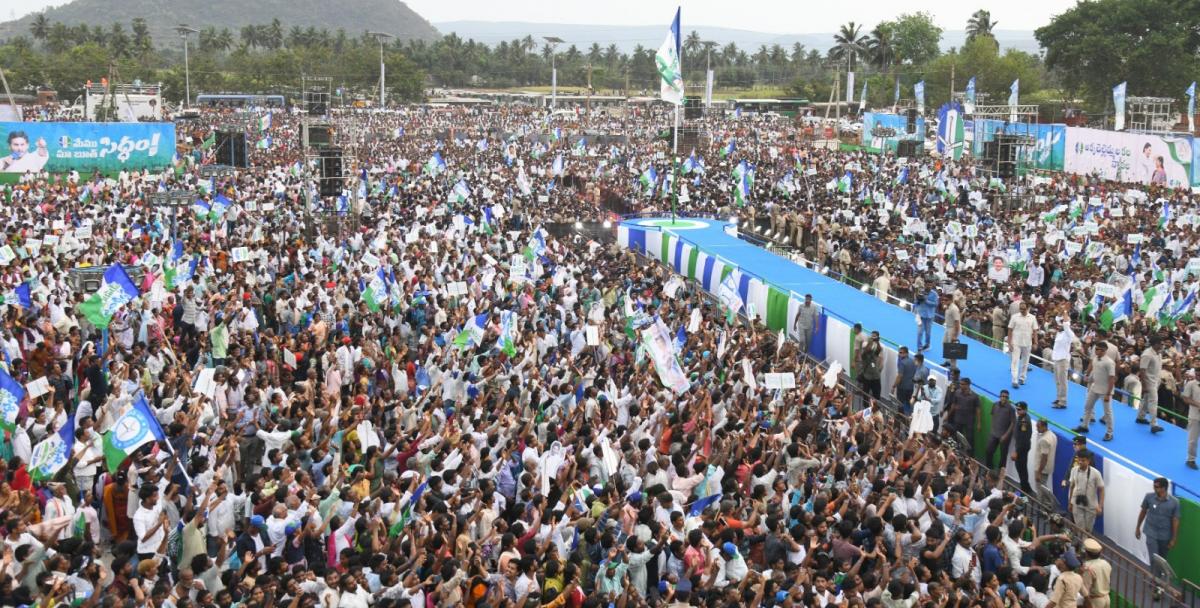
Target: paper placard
[7, 255]
[748, 373]
[370, 260]
[83, 232]
[542, 198]
[1117, 211]
[780, 380]
[593, 335]
[1134, 239]
[268, 206]
[901, 254]
[1105, 290]
[251, 205]
[1072, 248]
[37, 388]
[1029, 244]
[972, 231]
[240, 254]
[289, 358]
[205, 382]
[1193, 264]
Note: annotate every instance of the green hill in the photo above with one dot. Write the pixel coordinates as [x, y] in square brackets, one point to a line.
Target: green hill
[354, 16]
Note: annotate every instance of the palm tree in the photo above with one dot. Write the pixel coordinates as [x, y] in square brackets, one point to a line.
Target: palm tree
[849, 43]
[295, 37]
[594, 53]
[980, 24]
[692, 43]
[224, 41]
[273, 34]
[117, 41]
[763, 56]
[141, 37]
[881, 46]
[249, 36]
[611, 55]
[39, 27]
[798, 53]
[729, 53]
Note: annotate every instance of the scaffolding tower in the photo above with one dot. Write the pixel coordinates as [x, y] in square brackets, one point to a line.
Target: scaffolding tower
[1009, 137]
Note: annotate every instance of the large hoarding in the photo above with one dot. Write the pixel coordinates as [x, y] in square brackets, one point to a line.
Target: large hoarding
[1130, 157]
[895, 125]
[1048, 153]
[108, 147]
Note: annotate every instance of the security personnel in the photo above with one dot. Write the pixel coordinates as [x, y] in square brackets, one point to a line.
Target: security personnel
[1022, 444]
[1096, 575]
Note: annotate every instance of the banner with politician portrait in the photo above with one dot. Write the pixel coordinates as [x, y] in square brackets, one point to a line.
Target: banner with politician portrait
[107, 147]
[1141, 158]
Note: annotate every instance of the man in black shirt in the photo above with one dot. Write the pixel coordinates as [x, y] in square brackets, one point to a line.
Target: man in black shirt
[962, 409]
[1022, 443]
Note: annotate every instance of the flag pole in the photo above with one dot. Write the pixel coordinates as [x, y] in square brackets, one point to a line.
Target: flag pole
[674, 183]
[675, 133]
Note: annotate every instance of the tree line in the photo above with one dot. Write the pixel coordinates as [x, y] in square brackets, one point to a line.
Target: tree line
[1155, 50]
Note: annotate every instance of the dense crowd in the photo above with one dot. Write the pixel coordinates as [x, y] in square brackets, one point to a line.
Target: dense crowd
[424, 395]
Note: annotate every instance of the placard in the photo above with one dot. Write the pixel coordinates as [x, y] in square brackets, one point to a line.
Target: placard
[289, 358]
[37, 388]
[1104, 289]
[7, 255]
[780, 381]
[205, 382]
[1072, 248]
[1134, 239]
[748, 373]
[370, 260]
[593, 335]
[240, 254]
[1029, 244]
[83, 232]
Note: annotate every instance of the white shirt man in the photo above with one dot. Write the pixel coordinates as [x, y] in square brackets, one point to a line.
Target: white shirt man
[1061, 357]
[1021, 328]
[148, 528]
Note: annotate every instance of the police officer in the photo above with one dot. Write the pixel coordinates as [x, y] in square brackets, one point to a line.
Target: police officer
[1022, 444]
[1096, 573]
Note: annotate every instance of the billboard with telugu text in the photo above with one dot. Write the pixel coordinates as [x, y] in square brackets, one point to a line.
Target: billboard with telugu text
[108, 147]
[1130, 157]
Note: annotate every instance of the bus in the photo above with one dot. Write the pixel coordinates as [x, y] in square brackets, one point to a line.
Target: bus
[238, 100]
[786, 107]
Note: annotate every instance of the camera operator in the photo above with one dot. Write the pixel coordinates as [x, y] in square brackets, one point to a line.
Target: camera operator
[1085, 491]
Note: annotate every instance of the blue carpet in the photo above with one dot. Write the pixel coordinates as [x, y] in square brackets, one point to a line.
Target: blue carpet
[987, 367]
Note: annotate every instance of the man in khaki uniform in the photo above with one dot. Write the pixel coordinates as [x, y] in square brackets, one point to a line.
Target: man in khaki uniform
[1150, 374]
[999, 325]
[1191, 397]
[1102, 379]
[1097, 573]
[1069, 584]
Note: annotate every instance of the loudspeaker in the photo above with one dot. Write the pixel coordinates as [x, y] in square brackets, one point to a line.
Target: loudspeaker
[692, 108]
[908, 148]
[954, 351]
[315, 103]
[231, 149]
[910, 126]
[331, 182]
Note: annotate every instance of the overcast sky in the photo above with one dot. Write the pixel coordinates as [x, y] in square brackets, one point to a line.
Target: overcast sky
[775, 16]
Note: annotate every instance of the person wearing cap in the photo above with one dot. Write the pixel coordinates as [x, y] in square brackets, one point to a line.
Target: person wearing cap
[1069, 584]
[1022, 444]
[1158, 519]
[1150, 373]
[1191, 397]
[1096, 574]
